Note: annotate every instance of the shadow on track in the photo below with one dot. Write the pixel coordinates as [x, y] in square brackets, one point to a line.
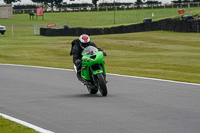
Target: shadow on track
[70, 96]
[86, 95]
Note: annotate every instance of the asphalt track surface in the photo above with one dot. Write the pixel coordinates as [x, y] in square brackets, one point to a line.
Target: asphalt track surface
[55, 100]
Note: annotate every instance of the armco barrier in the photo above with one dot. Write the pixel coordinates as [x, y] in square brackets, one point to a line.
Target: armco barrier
[166, 25]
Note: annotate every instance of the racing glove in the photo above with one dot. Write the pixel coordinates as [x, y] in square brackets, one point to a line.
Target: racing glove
[104, 53]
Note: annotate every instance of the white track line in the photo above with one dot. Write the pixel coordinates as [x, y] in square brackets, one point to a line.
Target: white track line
[36, 128]
[163, 80]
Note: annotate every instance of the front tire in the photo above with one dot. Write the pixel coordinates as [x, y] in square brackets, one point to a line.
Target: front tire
[102, 84]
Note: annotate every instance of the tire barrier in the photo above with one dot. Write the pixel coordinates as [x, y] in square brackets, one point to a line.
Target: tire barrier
[165, 24]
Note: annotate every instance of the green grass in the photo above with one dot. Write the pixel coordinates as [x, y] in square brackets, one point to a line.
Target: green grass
[160, 54]
[94, 19]
[7, 126]
[163, 55]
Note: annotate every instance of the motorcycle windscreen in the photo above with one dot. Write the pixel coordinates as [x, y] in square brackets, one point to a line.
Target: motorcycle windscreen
[90, 50]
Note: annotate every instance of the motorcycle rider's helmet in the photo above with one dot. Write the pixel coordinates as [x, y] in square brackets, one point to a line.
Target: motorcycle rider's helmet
[84, 40]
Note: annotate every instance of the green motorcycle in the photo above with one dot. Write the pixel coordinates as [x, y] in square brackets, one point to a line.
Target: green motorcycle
[93, 70]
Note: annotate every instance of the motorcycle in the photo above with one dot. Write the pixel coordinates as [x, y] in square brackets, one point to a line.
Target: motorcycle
[93, 70]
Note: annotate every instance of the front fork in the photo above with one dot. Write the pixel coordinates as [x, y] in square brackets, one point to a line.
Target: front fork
[94, 77]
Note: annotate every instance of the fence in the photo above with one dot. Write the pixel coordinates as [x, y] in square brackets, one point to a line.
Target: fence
[166, 24]
[57, 26]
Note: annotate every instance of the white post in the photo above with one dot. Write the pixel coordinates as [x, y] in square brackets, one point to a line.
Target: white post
[12, 30]
[189, 6]
[35, 29]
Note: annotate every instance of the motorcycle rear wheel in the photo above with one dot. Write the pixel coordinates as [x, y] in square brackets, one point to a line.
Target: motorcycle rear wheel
[92, 91]
[102, 84]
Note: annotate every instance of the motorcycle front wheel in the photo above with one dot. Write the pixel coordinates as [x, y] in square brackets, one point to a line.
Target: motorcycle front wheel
[102, 84]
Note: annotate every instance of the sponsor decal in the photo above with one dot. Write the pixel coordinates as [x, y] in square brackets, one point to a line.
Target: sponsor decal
[39, 11]
[51, 25]
[181, 11]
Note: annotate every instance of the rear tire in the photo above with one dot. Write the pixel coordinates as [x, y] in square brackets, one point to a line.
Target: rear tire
[2, 32]
[92, 91]
[102, 84]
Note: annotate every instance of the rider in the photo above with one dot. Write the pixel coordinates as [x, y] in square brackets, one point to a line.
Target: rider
[78, 46]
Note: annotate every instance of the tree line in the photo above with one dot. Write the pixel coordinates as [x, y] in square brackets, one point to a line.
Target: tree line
[184, 1]
[60, 3]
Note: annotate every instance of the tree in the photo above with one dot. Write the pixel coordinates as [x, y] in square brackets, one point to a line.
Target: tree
[150, 2]
[139, 2]
[10, 1]
[24, 6]
[187, 1]
[52, 2]
[95, 2]
[177, 1]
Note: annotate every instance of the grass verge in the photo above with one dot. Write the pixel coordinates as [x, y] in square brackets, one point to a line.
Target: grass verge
[7, 126]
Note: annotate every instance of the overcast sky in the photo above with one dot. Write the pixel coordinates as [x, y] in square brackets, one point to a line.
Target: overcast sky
[89, 1]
